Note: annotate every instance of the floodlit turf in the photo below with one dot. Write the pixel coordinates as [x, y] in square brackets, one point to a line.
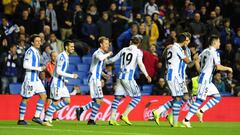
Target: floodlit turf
[139, 128]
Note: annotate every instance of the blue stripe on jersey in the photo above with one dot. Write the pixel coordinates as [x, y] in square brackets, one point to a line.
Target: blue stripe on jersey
[98, 74]
[169, 77]
[33, 64]
[59, 82]
[201, 78]
[183, 71]
[130, 77]
[180, 66]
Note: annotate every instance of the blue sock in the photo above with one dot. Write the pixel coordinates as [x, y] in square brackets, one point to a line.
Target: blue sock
[88, 106]
[61, 104]
[114, 108]
[212, 102]
[95, 109]
[22, 110]
[193, 109]
[50, 110]
[39, 107]
[132, 105]
[176, 109]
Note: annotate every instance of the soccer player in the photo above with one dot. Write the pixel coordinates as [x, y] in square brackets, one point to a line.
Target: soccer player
[176, 55]
[58, 88]
[95, 80]
[183, 76]
[210, 60]
[126, 85]
[32, 84]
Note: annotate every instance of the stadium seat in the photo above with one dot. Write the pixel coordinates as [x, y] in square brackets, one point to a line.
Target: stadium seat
[15, 88]
[84, 89]
[70, 87]
[85, 81]
[82, 74]
[74, 60]
[83, 67]
[147, 89]
[86, 59]
[71, 68]
[74, 81]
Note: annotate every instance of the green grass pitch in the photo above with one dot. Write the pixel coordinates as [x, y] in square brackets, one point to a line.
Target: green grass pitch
[102, 128]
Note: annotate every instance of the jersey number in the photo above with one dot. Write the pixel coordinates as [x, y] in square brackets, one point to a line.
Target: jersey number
[126, 58]
[169, 56]
[204, 61]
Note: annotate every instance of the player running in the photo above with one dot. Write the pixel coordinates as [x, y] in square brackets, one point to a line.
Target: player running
[210, 60]
[94, 81]
[32, 84]
[58, 88]
[176, 55]
[126, 85]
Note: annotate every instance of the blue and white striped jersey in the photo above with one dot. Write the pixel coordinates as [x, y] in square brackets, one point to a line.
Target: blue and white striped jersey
[174, 64]
[31, 63]
[184, 65]
[59, 73]
[130, 57]
[209, 58]
[97, 63]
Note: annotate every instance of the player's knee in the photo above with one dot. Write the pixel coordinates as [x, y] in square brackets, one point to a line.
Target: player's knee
[67, 100]
[217, 97]
[43, 96]
[186, 96]
[99, 101]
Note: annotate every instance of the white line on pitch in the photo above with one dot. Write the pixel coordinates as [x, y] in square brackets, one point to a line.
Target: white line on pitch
[68, 130]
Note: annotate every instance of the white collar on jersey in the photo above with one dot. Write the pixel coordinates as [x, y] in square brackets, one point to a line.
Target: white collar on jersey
[212, 48]
[133, 46]
[177, 44]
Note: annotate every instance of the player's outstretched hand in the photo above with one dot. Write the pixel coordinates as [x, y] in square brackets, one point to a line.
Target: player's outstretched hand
[149, 79]
[43, 68]
[110, 53]
[75, 76]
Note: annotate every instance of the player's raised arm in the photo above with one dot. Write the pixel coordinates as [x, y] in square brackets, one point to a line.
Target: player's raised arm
[113, 59]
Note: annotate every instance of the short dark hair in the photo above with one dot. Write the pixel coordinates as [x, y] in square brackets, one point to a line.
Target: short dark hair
[181, 38]
[66, 43]
[32, 38]
[212, 38]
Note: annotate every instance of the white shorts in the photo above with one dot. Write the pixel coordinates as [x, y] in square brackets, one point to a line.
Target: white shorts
[176, 87]
[95, 86]
[206, 89]
[58, 93]
[185, 89]
[127, 87]
[31, 88]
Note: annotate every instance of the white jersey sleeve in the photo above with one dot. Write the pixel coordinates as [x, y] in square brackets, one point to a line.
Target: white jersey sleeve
[28, 61]
[61, 67]
[216, 58]
[140, 63]
[115, 58]
[180, 53]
